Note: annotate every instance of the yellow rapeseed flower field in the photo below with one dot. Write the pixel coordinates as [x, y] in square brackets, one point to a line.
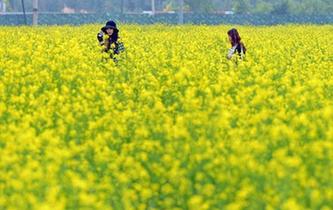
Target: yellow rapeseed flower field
[173, 125]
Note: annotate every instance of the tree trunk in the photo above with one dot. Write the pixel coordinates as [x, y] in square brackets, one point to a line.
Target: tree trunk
[34, 12]
[181, 11]
[153, 7]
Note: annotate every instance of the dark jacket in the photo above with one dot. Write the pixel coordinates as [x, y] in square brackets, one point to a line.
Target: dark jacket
[239, 49]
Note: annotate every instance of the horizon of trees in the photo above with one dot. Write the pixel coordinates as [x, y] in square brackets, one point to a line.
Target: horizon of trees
[280, 7]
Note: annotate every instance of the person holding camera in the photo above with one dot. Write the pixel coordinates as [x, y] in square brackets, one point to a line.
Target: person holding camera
[111, 43]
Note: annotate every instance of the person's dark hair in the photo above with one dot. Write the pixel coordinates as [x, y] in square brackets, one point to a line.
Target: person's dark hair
[236, 40]
[115, 36]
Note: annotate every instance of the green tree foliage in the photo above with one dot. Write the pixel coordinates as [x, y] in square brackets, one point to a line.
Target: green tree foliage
[281, 8]
[200, 6]
[242, 6]
[277, 7]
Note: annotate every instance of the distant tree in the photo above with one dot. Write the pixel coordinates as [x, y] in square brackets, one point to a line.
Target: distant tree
[262, 7]
[16, 5]
[241, 6]
[281, 8]
[200, 6]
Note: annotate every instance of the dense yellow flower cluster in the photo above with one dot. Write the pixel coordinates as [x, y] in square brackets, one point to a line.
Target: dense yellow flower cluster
[173, 125]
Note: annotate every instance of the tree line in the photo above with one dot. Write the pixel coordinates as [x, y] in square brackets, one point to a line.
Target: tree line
[278, 7]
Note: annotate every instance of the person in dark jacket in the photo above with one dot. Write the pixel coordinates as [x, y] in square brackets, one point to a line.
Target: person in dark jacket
[236, 45]
[111, 42]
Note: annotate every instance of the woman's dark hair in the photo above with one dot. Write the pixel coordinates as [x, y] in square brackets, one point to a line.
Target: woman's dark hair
[236, 40]
[115, 36]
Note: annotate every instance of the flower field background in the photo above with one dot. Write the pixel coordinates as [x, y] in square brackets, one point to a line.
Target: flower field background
[173, 125]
